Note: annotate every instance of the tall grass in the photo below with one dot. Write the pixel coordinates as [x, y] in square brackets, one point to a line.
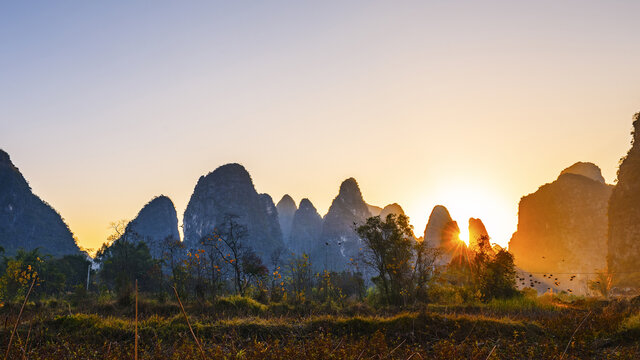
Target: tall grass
[522, 304]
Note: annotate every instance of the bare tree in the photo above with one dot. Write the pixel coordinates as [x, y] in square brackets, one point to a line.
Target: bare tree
[216, 269]
[228, 242]
[423, 267]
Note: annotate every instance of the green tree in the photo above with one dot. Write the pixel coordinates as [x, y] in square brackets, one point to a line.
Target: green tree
[388, 252]
[20, 272]
[73, 268]
[123, 263]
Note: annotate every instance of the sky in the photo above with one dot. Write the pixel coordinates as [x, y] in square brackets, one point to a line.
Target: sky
[472, 105]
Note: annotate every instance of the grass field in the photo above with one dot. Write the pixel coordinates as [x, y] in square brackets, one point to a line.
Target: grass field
[240, 328]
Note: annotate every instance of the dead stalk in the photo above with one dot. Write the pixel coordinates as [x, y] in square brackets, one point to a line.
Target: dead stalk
[491, 352]
[189, 324]
[136, 339]
[574, 334]
[15, 328]
[26, 344]
[396, 348]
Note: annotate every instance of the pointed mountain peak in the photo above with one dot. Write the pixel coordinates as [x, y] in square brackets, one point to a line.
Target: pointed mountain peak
[438, 221]
[233, 169]
[440, 211]
[477, 230]
[306, 204]
[391, 209]
[156, 222]
[161, 200]
[287, 203]
[229, 172]
[350, 190]
[586, 169]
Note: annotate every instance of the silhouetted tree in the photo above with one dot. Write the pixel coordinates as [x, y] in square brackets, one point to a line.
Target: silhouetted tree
[73, 268]
[494, 272]
[123, 262]
[423, 268]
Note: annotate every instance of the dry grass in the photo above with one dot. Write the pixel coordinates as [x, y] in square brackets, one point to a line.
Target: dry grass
[513, 329]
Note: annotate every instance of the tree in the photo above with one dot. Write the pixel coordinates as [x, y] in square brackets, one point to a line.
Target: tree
[494, 272]
[196, 263]
[299, 276]
[73, 268]
[388, 252]
[172, 256]
[423, 268]
[123, 262]
[215, 266]
[276, 288]
[337, 286]
[228, 242]
[20, 272]
[118, 229]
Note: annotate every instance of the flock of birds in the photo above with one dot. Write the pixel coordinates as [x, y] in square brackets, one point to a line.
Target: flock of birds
[533, 282]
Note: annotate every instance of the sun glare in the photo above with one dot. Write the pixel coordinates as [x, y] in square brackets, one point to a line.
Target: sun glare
[464, 233]
[466, 201]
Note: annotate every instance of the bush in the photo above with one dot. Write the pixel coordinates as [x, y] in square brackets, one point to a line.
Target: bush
[242, 304]
[449, 294]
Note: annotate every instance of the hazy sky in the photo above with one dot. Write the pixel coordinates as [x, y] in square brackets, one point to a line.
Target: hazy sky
[104, 105]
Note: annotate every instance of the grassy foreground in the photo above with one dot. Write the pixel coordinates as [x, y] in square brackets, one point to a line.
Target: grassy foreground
[240, 328]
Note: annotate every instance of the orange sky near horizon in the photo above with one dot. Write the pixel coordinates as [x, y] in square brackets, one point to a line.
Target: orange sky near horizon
[466, 104]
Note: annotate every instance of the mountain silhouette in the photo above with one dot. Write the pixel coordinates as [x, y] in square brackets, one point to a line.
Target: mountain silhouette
[229, 190]
[624, 216]
[26, 221]
[563, 225]
[155, 224]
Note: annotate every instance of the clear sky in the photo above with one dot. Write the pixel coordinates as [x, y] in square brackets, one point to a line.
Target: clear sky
[106, 104]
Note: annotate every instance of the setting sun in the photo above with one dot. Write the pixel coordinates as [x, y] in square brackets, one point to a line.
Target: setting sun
[465, 201]
[464, 235]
